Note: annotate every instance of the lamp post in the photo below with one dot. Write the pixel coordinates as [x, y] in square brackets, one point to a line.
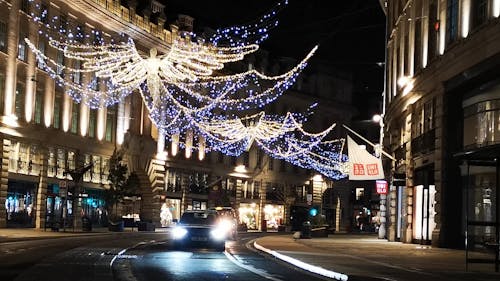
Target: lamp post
[377, 118]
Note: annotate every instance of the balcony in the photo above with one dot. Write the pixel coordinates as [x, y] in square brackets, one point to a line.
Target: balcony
[424, 143]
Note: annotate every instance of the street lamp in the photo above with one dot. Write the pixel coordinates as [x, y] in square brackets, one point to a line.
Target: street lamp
[377, 118]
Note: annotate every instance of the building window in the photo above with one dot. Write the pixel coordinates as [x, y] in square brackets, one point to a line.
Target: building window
[20, 101]
[479, 12]
[41, 48]
[433, 30]
[260, 155]
[57, 111]
[3, 36]
[77, 75]
[481, 123]
[75, 110]
[25, 6]
[44, 13]
[38, 107]
[451, 21]
[21, 48]
[92, 122]
[110, 124]
[270, 166]
[60, 63]
[246, 159]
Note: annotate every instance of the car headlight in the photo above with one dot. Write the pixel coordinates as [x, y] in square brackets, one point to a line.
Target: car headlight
[219, 232]
[226, 225]
[179, 232]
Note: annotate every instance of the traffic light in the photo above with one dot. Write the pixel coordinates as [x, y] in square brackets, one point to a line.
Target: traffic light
[313, 211]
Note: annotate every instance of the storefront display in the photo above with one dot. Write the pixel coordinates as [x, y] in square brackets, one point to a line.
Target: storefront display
[248, 215]
[20, 204]
[274, 216]
[170, 211]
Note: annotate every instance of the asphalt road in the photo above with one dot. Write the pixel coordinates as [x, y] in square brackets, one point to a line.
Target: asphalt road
[138, 257]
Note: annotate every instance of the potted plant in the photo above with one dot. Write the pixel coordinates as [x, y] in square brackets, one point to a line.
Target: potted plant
[121, 184]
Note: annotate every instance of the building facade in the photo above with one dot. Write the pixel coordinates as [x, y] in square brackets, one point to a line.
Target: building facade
[45, 135]
[442, 121]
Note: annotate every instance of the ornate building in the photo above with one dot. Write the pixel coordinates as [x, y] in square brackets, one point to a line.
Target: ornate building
[442, 121]
[45, 134]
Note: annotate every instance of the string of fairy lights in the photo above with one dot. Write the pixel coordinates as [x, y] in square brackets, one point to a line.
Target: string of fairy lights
[185, 90]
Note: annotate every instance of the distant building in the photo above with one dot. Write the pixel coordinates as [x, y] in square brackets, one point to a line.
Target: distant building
[442, 116]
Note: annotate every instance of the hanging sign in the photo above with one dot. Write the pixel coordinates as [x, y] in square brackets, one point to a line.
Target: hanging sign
[381, 186]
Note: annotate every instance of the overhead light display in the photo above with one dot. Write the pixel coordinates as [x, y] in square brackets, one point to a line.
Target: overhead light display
[187, 89]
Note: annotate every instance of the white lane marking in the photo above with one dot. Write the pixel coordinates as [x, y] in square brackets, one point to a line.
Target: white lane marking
[303, 265]
[251, 268]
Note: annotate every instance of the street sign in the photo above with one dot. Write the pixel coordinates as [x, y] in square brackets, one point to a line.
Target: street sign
[309, 199]
[381, 186]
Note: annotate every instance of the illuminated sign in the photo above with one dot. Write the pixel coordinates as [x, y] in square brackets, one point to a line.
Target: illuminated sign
[381, 186]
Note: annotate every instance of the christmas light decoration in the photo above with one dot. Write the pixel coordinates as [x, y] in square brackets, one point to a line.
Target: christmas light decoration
[187, 88]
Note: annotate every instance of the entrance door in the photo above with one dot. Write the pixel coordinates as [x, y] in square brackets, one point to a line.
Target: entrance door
[481, 181]
[424, 213]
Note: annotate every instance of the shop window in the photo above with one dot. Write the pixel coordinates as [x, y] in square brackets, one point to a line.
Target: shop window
[96, 169]
[51, 171]
[87, 176]
[360, 193]
[20, 203]
[481, 124]
[61, 163]
[199, 205]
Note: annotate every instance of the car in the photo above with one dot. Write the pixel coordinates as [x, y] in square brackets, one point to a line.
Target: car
[200, 228]
[228, 217]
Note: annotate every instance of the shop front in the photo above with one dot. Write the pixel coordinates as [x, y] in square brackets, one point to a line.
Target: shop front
[249, 215]
[170, 211]
[424, 202]
[94, 206]
[274, 216]
[20, 204]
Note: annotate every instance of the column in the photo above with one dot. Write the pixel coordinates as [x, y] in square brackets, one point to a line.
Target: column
[29, 99]
[48, 107]
[11, 64]
[41, 195]
[4, 180]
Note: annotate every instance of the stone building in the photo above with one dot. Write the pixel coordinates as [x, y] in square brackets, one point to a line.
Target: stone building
[442, 114]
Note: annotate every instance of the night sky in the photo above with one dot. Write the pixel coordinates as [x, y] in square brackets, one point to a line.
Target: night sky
[350, 35]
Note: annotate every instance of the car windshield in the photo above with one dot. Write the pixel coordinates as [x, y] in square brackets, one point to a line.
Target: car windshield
[197, 218]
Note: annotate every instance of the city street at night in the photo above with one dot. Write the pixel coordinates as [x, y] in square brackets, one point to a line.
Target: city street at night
[136, 256]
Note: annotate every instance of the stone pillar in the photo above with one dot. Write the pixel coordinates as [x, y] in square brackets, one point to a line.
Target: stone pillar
[11, 63]
[263, 199]
[29, 101]
[48, 104]
[4, 180]
[41, 195]
[185, 190]
[392, 223]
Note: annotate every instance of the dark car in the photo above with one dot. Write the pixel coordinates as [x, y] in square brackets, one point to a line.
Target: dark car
[200, 228]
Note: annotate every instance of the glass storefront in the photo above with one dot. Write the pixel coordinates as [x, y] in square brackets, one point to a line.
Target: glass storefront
[274, 216]
[249, 214]
[93, 206]
[20, 204]
[170, 211]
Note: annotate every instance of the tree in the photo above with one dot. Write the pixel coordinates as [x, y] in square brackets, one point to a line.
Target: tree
[121, 183]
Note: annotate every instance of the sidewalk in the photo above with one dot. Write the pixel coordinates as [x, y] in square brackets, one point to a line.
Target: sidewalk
[365, 257]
